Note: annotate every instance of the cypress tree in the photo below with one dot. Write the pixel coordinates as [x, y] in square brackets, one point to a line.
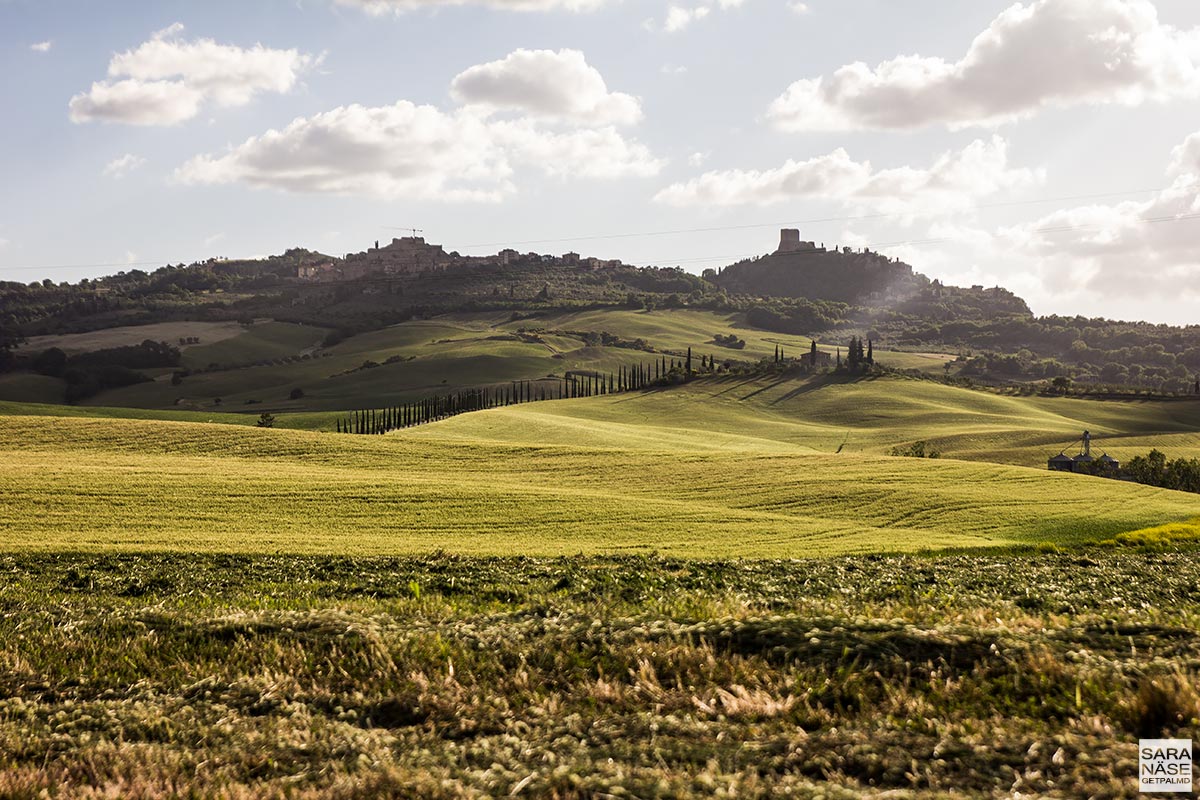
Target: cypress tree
[689, 362]
[813, 353]
[870, 352]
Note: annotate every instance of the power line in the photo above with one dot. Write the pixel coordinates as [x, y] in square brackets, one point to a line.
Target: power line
[819, 220]
[881, 245]
[90, 266]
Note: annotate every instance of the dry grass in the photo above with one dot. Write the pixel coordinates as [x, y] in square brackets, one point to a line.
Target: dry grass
[228, 676]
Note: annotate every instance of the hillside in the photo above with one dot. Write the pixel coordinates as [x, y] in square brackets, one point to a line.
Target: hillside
[866, 417]
[319, 303]
[261, 364]
[716, 470]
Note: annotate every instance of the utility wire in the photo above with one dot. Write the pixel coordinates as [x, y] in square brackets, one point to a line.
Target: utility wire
[880, 245]
[818, 220]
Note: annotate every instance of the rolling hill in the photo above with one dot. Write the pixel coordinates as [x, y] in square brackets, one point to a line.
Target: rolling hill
[718, 468]
[259, 365]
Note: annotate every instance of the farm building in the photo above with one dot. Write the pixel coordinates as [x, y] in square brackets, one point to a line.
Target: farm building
[1083, 461]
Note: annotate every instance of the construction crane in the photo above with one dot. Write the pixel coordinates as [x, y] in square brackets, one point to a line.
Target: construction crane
[413, 231]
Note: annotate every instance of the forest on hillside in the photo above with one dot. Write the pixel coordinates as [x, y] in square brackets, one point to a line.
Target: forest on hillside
[996, 335]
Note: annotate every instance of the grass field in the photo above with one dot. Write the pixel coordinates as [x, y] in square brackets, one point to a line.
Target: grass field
[169, 332]
[722, 589]
[826, 415]
[659, 471]
[996, 675]
[435, 355]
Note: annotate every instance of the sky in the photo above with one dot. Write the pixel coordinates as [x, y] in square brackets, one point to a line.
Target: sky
[1048, 146]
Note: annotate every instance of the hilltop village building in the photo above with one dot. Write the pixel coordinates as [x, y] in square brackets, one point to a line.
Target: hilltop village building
[404, 256]
[412, 255]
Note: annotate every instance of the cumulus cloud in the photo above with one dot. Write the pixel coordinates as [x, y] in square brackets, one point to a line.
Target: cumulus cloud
[601, 153]
[1137, 249]
[120, 167]
[42, 47]
[1047, 53]
[377, 7]
[558, 85]
[954, 181]
[417, 151]
[166, 80]
[679, 17]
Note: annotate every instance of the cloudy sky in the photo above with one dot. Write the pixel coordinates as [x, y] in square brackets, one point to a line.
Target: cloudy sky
[1049, 146]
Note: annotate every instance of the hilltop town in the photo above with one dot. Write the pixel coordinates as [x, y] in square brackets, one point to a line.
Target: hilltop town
[412, 255]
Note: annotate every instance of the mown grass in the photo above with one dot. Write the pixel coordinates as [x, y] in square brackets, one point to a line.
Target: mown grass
[443, 676]
[102, 483]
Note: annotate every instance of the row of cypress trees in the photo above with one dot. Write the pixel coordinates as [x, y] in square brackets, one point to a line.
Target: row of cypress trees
[582, 384]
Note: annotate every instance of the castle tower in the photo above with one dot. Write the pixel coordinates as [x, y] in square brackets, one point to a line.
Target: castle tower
[789, 240]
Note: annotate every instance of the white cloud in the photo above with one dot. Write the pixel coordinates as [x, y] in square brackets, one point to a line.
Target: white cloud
[558, 85]
[679, 17]
[406, 150]
[602, 153]
[165, 81]
[952, 183]
[1047, 53]
[120, 167]
[800, 9]
[209, 241]
[42, 47]
[673, 69]
[1133, 249]
[697, 158]
[377, 7]
[137, 103]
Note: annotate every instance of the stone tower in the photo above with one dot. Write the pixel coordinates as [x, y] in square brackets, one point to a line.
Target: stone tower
[789, 240]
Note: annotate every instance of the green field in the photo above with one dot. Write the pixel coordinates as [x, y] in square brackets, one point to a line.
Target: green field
[266, 361]
[726, 588]
[856, 416]
[123, 335]
[720, 468]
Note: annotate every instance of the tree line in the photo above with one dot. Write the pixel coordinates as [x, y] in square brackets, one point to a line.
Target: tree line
[1153, 469]
[660, 372]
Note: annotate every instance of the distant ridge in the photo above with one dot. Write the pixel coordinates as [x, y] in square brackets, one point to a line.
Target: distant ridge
[804, 269]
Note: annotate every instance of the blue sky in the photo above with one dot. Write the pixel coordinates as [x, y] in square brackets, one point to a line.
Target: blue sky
[1043, 146]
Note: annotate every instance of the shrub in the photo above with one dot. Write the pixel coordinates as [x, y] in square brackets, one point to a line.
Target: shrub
[920, 449]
